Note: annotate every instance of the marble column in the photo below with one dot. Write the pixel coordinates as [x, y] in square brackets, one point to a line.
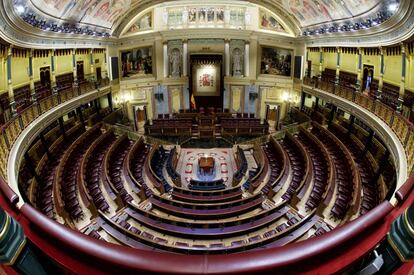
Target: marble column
[305, 64]
[185, 56]
[338, 64]
[359, 70]
[320, 62]
[227, 57]
[381, 77]
[31, 79]
[74, 67]
[403, 73]
[10, 81]
[246, 59]
[92, 65]
[53, 68]
[165, 56]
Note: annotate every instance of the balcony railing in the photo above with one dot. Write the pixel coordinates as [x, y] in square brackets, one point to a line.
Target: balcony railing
[400, 125]
[10, 131]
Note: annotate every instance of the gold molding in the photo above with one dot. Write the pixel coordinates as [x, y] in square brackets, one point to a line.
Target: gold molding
[395, 248]
[5, 227]
[18, 252]
[407, 224]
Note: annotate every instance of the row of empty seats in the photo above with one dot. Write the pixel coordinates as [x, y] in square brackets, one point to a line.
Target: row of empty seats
[298, 165]
[67, 173]
[370, 197]
[116, 168]
[344, 171]
[91, 169]
[322, 173]
[48, 166]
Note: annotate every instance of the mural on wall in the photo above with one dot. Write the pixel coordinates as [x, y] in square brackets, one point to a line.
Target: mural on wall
[276, 61]
[268, 22]
[309, 12]
[137, 62]
[103, 13]
[143, 23]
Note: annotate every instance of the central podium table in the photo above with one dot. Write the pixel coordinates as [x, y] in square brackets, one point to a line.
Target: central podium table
[206, 165]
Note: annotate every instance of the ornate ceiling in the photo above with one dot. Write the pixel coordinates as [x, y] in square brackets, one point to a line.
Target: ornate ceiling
[108, 13]
[103, 13]
[313, 12]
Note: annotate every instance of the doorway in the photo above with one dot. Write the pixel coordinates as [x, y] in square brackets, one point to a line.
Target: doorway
[272, 116]
[368, 78]
[140, 118]
[98, 74]
[80, 70]
[45, 76]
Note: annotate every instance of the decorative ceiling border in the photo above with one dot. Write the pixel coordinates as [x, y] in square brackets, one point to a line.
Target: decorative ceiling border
[396, 30]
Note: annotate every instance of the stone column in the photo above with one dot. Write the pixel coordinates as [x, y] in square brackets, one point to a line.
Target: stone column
[381, 78]
[338, 64]
[305, 65]
[53, 68]
[74, 67]
[247, 59]
[320, 62]
[359, 70]
[92, 65]
[165, 55]
[403, 73]
[227, 57]
[10, 82]
[185, 58]
[32, 85]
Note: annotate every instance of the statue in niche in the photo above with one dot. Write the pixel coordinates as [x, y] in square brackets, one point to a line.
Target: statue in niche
[237, 62]
[175, 63]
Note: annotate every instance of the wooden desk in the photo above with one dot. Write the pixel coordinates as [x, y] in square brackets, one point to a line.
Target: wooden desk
[206, 165]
